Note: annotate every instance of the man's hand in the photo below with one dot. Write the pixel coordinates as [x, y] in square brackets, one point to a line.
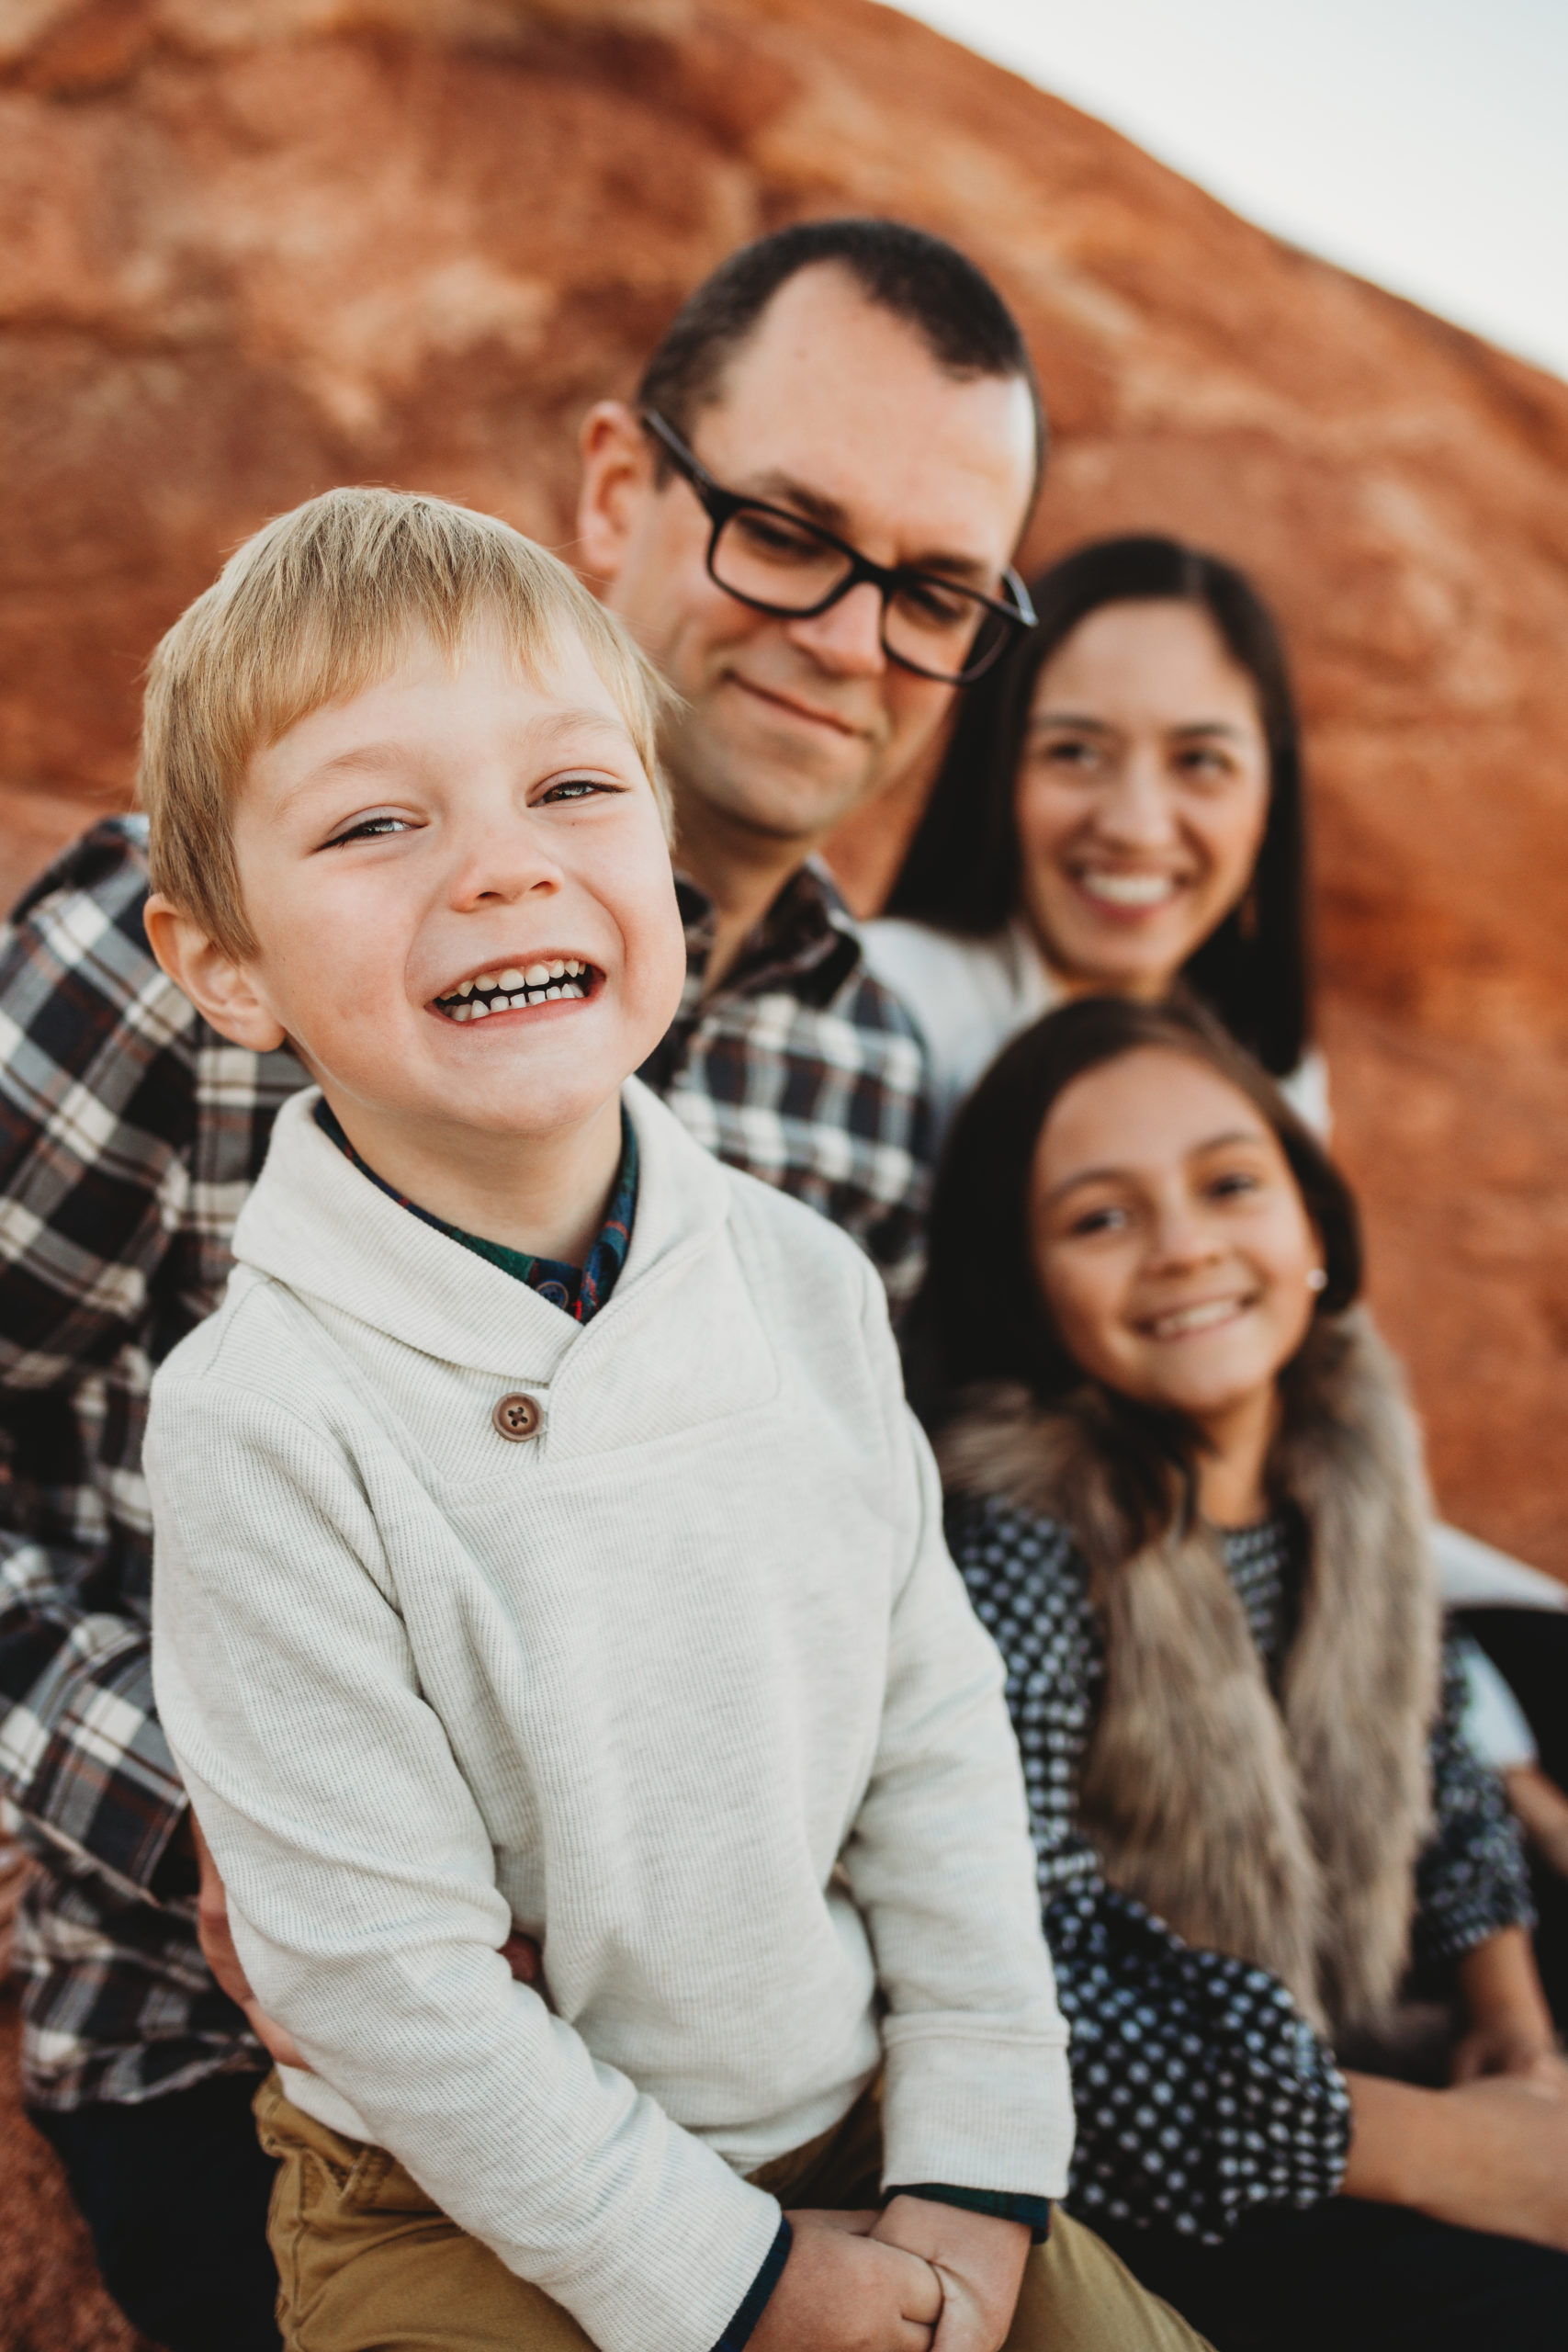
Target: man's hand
[217, 1950]
[844, 2290]
[978, 2259]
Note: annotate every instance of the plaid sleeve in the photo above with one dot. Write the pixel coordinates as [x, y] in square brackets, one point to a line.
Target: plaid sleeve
[96, 1114]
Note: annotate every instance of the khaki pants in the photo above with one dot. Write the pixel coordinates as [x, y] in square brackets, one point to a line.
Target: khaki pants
[366, 2263]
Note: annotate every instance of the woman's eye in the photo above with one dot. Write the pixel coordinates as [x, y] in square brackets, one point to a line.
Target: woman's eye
[372, 828]
[1235, 1180]
[1206, 763]
[1067, 753]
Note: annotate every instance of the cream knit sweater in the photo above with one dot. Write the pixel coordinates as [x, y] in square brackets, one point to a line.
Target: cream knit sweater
[685, 1684]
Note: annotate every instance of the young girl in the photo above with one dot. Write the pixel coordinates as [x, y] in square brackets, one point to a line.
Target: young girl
[1186, 1494]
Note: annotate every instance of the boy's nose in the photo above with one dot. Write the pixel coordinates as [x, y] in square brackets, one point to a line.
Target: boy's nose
[504, 864]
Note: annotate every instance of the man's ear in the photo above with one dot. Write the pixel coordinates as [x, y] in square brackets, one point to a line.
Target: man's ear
[617, 475]
[221, 990]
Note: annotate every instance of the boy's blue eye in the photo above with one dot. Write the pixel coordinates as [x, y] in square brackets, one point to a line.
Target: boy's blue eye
[371, 828]
[575, 787]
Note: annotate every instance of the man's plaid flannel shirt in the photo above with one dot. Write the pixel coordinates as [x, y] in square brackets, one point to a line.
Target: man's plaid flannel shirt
[129, 1134]
[804, 1069]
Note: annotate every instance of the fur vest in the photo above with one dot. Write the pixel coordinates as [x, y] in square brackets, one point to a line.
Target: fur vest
[1284, 1832]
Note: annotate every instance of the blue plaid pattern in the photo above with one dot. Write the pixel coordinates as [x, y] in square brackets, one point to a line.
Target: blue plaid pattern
[803, 1070]
[129, 1134]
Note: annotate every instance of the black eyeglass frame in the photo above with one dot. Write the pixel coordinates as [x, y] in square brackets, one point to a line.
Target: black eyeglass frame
[721, 505]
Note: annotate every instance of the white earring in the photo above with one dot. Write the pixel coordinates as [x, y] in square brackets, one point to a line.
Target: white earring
[1317, 1278]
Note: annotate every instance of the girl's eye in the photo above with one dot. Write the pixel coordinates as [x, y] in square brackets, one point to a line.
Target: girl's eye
[1102, 1220]
[372, 828]
[1235, 1180]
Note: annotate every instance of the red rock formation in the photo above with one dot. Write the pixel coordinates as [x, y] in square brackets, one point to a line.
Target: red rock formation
[50, 2299]
[252, 247]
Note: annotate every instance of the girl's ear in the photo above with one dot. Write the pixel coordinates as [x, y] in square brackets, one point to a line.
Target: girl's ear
[221, 990]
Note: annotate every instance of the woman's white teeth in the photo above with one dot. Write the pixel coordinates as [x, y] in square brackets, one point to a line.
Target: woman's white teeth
[1194, 1318]
[1128, 889]
[477, 1006]
[511, 978]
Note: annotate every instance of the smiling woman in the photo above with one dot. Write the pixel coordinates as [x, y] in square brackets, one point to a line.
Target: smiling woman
[1119, 808]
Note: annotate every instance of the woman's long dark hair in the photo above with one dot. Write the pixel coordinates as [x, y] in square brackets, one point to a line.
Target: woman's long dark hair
[963, 870]
[981, 1314]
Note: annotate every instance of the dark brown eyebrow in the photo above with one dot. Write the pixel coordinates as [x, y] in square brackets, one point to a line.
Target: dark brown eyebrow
[1087, 724]
[1119, 1175]
[782, 489]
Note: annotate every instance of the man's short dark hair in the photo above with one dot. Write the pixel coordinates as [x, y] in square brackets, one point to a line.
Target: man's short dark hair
[929, 284]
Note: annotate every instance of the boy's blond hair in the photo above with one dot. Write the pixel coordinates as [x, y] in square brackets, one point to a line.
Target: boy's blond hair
[318, 605]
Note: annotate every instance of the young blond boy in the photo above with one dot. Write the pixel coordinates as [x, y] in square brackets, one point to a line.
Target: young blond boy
[542, 1544]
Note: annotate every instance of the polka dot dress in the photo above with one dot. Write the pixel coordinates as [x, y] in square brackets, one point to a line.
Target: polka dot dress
[1201, 2091]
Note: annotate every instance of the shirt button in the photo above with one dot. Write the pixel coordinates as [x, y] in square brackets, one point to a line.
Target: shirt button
[517, 1416]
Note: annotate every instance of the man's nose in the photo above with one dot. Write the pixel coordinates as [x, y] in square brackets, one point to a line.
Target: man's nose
[847, 638]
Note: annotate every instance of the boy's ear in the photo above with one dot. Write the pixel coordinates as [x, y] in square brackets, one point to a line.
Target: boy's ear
[221, 990]
[617, 474]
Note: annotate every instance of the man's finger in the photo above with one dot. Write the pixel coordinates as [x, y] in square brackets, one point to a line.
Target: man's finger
[523, 1956]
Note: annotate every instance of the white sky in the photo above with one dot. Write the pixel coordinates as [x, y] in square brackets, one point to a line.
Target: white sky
[1423, 143]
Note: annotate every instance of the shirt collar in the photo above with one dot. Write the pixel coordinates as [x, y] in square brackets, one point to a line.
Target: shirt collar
[808, 940]
[577, 1290]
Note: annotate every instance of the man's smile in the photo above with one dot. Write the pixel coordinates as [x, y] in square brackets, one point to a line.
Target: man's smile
[796, 708]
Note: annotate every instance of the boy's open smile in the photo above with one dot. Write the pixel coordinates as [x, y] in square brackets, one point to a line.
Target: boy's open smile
[521, 986]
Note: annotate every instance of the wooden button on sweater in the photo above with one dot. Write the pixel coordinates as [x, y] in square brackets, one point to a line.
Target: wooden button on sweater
[517, 1416]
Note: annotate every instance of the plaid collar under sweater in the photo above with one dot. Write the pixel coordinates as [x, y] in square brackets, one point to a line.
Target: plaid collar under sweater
[577, 1290]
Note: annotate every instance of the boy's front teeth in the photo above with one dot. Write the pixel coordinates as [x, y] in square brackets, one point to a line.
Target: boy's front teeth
[511, 990]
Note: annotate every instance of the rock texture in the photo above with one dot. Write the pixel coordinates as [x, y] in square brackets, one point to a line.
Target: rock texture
[252, 247]
[50, 2299]
[249, 248]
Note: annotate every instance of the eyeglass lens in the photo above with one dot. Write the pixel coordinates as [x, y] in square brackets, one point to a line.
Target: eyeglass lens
[767, 559]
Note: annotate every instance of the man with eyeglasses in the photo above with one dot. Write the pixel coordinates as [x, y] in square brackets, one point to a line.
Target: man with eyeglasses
[807, 518]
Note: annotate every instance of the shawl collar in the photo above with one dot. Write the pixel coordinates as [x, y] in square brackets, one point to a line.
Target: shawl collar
[317, 1224]
[1284, 1832]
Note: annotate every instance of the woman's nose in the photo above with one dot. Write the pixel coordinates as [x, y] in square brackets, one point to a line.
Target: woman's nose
[1137, 812]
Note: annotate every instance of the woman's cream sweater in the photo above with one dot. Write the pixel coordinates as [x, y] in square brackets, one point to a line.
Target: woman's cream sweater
[685, 1684]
